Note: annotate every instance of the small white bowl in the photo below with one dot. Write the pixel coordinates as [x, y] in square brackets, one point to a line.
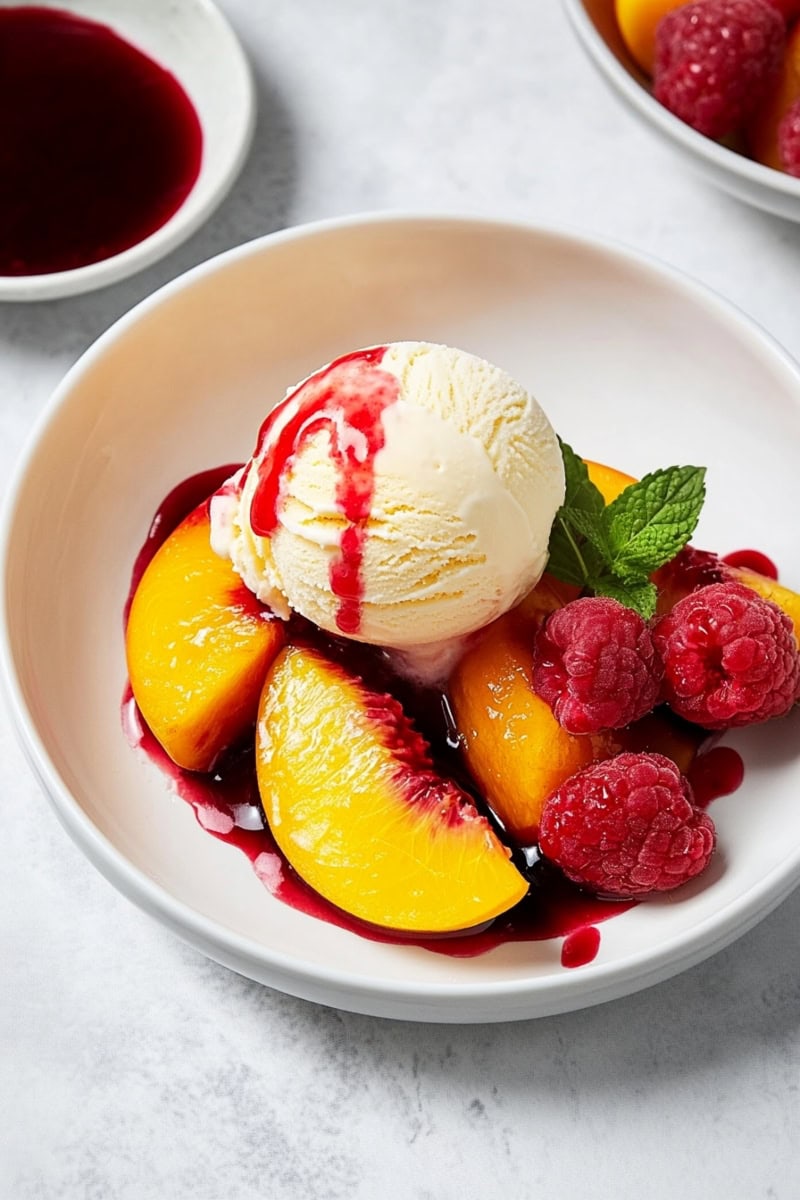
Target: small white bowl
[636, 366]
[192, 40]
[763, 187]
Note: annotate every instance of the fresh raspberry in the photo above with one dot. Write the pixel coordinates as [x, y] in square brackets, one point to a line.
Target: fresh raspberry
[689, 569]
[789, 139]
[626, 826]
[730, 657]
[596, 666]
[714, 58]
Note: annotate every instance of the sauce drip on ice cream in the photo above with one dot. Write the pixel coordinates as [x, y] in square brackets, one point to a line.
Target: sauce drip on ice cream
[347, 399]
[402, 496]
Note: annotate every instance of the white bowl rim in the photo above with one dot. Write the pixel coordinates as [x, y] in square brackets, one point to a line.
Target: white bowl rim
[671, 126]
[180, 226]
[595, 982]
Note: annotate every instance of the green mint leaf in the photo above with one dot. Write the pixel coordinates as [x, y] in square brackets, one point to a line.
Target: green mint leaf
[565, 561]
[580, 493]
[652, 520]
[639, 595]
[570, 558]
[612, 550]
[590, 525]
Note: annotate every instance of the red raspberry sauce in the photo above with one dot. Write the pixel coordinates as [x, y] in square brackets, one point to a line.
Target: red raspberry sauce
[580, 946]
[347, 399]
[177, 505]
[100, 145]
[752, 560]
[717, 772]
[227, 805]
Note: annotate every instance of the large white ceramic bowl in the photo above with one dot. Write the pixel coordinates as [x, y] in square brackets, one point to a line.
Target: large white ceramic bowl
[773, 191]
[636, 365]
[192, 40]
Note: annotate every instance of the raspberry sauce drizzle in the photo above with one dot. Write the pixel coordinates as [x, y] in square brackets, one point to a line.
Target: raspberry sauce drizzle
[752, 560]
[101, 145]
[717, 772]
[174, 508]
[226, 803]
[347, 399]
[580, 946]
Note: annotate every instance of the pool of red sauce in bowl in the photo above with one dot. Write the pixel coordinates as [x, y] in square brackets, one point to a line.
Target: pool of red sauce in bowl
[226, 802]
[101, 145]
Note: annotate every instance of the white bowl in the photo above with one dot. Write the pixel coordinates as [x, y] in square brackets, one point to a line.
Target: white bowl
[636, 365]
[192, 40]
[773, 191]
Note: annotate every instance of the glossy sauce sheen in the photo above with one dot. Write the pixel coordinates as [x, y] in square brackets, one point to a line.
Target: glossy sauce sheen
[100, 145]
[752, 560]
[347, 400]
[227, 805]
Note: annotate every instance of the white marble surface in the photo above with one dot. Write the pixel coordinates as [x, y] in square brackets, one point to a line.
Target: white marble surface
[132, 1068]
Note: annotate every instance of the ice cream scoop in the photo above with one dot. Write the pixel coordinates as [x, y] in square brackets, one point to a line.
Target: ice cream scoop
[402, 495]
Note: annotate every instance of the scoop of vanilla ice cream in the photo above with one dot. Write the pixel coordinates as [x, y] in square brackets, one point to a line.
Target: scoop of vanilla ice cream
[465, 486]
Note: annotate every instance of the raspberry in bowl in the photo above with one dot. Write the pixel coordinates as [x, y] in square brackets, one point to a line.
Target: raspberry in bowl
[215, 883]
[715, 80]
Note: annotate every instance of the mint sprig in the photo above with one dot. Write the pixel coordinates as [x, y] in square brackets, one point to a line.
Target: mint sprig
[612, 549]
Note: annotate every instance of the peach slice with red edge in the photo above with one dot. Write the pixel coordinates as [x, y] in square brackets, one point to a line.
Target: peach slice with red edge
[198, 645]
[355, 806]
[515, 748]
[762, 129]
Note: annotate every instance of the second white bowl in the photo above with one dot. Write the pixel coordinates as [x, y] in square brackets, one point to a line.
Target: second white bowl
[596, 28]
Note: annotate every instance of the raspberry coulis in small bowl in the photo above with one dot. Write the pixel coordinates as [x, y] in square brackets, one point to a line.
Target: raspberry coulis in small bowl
[226, 802]
[102, 143]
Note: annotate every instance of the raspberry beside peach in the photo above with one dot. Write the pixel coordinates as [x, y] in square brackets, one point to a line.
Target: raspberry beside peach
[728, 68]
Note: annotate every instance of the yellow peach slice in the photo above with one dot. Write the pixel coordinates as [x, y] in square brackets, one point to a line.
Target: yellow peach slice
[637, 21]
[353, 803]
[513, 745]
[608, 480]
[198, 645]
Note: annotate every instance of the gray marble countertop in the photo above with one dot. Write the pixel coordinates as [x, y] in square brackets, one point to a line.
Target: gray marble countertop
[132, 1068]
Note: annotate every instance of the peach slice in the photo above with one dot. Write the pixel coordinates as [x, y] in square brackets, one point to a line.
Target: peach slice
[762, 130]
[513, 745]
[198, 645]
[638, 21]
[355, 806]
[608, 480]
